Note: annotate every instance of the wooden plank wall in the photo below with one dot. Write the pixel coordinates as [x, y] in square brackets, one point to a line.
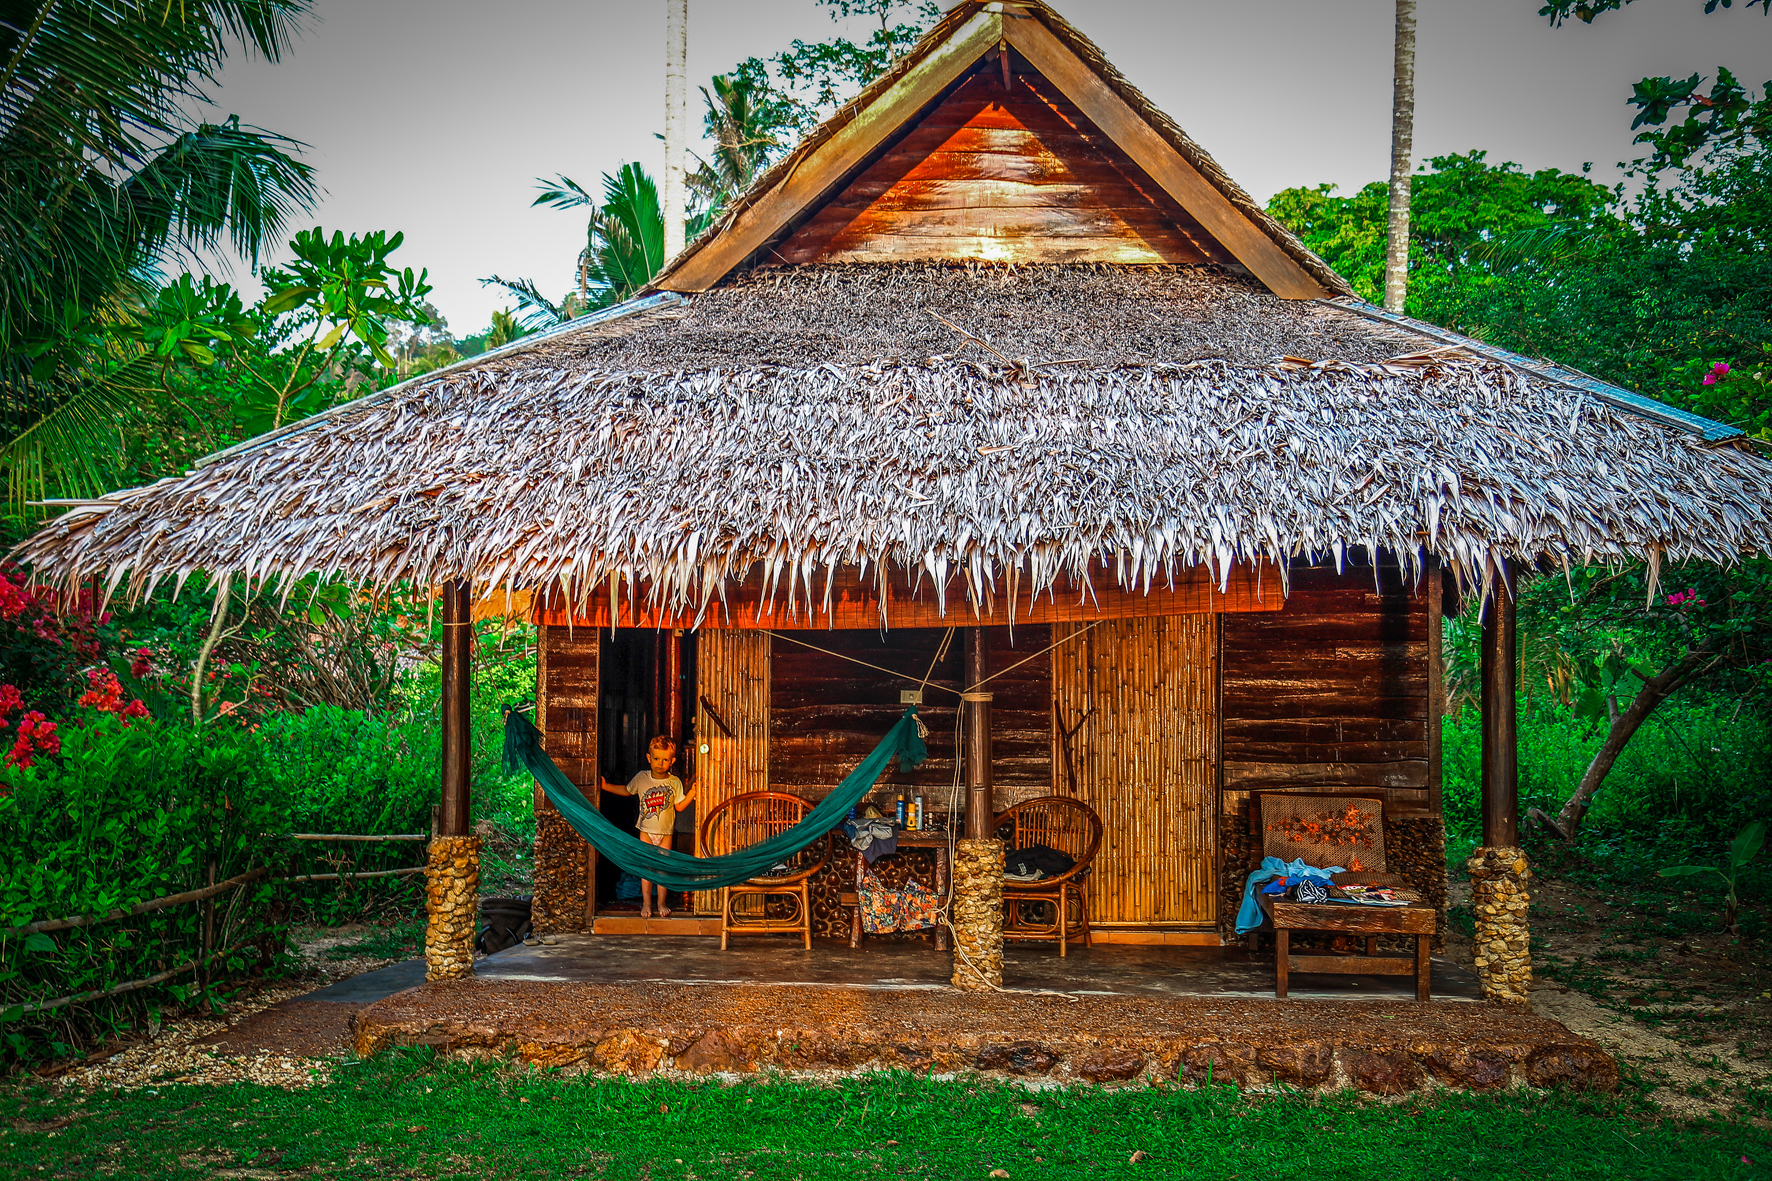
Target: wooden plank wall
[1331, 693]
[1145, 693]
[1016, 174]
[826, 714]
[733, 675]
[566, 714]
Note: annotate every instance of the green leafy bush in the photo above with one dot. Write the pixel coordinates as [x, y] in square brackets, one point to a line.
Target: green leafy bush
[1691, 780]
[127, 813]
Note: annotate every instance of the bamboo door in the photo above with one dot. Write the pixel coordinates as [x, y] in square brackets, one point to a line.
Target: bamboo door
[1145, 693]
[732, 676]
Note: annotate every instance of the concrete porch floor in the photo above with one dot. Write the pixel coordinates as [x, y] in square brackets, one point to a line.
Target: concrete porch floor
[1102, 970]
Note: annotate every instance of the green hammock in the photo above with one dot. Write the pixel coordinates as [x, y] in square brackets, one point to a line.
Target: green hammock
[523, 750]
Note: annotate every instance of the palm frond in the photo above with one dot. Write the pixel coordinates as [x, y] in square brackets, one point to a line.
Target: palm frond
[220, 179]
[64, 449]
[538, 310]
[562, 193]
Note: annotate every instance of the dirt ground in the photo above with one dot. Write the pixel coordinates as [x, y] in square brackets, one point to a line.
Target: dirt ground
[1683, 1005]
[266, 1034]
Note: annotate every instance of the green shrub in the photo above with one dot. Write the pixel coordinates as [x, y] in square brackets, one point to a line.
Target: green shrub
[1685, 785]
[125, 814]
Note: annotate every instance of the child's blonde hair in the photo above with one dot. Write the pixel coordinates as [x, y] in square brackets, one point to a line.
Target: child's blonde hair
[662, 742]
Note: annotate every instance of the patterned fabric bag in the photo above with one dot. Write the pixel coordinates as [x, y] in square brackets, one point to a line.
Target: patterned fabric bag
[885, 910]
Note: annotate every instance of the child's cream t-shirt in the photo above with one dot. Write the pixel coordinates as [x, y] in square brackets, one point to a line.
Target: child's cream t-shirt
[658, 801]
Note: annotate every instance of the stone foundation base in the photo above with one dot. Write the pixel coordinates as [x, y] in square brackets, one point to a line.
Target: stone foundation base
[653, 1029]
[1500, 899]
[978, 915]
[452, 907]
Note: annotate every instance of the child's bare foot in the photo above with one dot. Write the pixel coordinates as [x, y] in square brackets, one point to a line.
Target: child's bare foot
[646, 914]
[664, 912]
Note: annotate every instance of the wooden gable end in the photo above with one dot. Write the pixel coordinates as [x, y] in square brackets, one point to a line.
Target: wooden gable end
[1065, 162]
[1003, 169]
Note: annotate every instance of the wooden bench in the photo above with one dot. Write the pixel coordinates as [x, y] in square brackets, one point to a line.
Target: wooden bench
[1342, 918]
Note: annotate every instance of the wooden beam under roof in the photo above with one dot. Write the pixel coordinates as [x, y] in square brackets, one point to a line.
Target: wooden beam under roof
[764, 218]
[1138, 139]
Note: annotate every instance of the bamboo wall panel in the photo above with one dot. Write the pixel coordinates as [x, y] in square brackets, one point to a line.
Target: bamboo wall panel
[733, 675]
[1332, 693]
[854, 604]
[826, 713]
[1016, 174]
[1144, 691]
[566, 694]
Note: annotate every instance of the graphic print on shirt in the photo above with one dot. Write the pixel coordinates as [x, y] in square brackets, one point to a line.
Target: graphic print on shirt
[655, 799]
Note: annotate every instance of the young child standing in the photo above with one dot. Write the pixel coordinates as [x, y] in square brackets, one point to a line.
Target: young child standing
[661, 795]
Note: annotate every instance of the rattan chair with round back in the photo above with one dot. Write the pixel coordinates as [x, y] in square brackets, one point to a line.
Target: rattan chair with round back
[1071, 827]
[743, 821]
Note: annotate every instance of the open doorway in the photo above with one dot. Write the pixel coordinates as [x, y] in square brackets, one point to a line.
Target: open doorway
[647, 687]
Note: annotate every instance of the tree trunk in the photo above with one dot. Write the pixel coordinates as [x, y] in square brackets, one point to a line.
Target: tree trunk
[1657, 689]
[676, 116]
[1396, 254]
[201, 664]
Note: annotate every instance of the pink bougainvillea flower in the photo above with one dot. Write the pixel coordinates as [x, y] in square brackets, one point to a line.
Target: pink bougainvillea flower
[1717, 372]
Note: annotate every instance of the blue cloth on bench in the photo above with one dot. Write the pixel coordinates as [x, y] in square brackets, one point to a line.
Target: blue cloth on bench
[1250, 917]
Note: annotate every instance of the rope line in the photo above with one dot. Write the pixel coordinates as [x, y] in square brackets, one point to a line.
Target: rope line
[1035, 656]
[852, 660]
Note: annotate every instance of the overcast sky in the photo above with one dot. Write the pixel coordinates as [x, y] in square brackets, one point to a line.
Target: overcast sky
[436, 116]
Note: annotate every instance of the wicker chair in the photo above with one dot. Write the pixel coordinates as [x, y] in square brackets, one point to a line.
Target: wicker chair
[743, 821]
[1071, 827]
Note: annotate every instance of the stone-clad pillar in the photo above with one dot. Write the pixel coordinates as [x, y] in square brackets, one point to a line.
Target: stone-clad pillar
[1500, 878]
[452, 907]
[1500, 899]
[978, 915]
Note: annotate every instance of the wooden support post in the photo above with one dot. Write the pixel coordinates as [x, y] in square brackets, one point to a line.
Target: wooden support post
[1501, 756]
[976, 710]
[452, 871]
[1501, 881]
[674, 689]
[458, 632]
[977, 910]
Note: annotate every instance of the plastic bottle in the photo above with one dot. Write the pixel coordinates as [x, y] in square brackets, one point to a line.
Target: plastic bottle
[902, 808]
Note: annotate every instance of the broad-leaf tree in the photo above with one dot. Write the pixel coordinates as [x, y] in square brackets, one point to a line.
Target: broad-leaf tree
[325, 315]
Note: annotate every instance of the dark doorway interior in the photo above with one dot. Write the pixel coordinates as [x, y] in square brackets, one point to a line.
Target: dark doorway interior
[637, 703]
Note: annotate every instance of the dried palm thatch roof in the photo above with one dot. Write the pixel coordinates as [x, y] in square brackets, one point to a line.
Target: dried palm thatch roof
[801, 422]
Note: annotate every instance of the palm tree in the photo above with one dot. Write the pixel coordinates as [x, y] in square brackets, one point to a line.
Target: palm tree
[1396, 254]
[624, 244]
[103, 175]
[743, 145]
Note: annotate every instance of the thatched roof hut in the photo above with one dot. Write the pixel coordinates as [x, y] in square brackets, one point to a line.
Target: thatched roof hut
[1018, 420]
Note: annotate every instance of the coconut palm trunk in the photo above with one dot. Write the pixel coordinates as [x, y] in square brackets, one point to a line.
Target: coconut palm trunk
[1396, 254]
[676, 121]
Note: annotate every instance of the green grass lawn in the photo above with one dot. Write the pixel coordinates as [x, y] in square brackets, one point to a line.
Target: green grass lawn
[407, 1115]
